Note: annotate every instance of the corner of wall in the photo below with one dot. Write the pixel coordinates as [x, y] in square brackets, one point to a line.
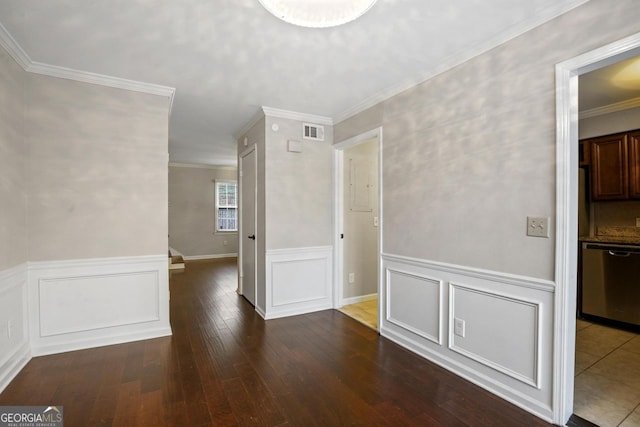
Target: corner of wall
[15, 350]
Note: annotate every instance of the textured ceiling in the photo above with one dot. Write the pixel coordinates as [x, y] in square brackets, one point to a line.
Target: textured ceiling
[226, 58]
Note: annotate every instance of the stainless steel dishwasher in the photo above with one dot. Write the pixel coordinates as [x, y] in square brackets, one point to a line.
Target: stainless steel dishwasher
[611, 281]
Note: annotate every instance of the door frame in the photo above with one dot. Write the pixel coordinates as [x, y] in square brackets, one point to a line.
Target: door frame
[338, 215]
[241, 236]
[567, 74]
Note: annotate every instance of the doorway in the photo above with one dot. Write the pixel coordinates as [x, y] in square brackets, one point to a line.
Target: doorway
[567, 74]
[358, 219]
[247, 231]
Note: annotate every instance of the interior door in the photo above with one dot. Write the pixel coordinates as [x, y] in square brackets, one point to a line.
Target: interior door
[248, 224]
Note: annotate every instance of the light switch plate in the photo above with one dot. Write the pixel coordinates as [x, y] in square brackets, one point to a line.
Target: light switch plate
[537, 226]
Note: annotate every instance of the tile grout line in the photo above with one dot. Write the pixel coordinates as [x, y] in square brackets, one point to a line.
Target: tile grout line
[629, 414]
[617, 348]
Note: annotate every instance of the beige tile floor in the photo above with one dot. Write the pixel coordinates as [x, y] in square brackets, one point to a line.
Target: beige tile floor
[365, 312]
[607, 383]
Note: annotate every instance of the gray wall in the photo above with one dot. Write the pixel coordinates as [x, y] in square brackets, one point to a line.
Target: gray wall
[97, 170]
[360, 234]
[13, 177]
[192, 226]
[299, 192]
[470, 153]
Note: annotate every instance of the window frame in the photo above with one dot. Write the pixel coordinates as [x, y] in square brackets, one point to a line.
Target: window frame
[216, 207]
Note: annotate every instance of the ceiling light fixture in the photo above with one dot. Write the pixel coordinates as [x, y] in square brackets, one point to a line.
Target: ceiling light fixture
[317, 13]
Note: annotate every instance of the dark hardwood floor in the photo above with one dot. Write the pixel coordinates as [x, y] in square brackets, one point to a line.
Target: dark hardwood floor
[225, 366]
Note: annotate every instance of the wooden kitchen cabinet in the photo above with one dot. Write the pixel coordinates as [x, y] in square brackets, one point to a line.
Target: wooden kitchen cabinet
[584, 153]
[633, 140]
[610, 167]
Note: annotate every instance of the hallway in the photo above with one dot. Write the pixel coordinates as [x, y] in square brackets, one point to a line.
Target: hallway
[225, 366]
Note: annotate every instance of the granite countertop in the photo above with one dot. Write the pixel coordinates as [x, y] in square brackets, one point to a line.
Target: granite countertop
[614, 234]
[611, 239]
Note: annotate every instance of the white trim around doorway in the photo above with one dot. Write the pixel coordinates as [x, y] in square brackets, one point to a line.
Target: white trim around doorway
[338, 152]
[567, 74]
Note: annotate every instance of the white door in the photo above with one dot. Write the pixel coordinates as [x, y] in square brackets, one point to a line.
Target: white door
[248, 224]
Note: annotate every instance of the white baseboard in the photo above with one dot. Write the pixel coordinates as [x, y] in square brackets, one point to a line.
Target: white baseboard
[12, 367]
[358, 299]
[213, 256]
[72, 304]
[298, 281]
[261, 312]
[15, 350]
[85, 343]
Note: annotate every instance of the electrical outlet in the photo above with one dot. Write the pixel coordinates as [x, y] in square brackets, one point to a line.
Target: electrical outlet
[537, 226]
[375, 221]
[224, 243]
[458, 327]
[352, 277]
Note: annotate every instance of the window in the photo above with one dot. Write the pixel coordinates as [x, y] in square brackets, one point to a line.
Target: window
[226, 206]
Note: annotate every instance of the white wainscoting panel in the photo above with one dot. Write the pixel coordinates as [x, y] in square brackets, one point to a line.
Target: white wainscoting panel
[298, 281]
[517, 328]
[14, 329]
[414, 303]
[508, 341]
[89, 303]
[98, 302]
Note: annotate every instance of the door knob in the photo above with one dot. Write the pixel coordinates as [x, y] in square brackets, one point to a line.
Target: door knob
[252, 237]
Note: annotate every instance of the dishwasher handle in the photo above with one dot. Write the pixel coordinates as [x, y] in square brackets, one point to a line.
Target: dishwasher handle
[622, 254]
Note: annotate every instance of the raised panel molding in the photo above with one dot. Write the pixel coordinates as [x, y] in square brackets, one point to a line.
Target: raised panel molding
[90, 303]
[413, 306]
[298, 281]
[102, 303]
[526, 383]
[531, 332]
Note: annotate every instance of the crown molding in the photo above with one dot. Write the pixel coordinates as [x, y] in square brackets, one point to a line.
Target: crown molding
[611, 108]
[101, 79]
[247, 127]
[292, 115]
[282, 114]
[454, 60]
[13, 48]
[20, 56]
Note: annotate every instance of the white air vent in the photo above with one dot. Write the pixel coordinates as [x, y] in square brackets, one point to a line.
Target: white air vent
[315, 132]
